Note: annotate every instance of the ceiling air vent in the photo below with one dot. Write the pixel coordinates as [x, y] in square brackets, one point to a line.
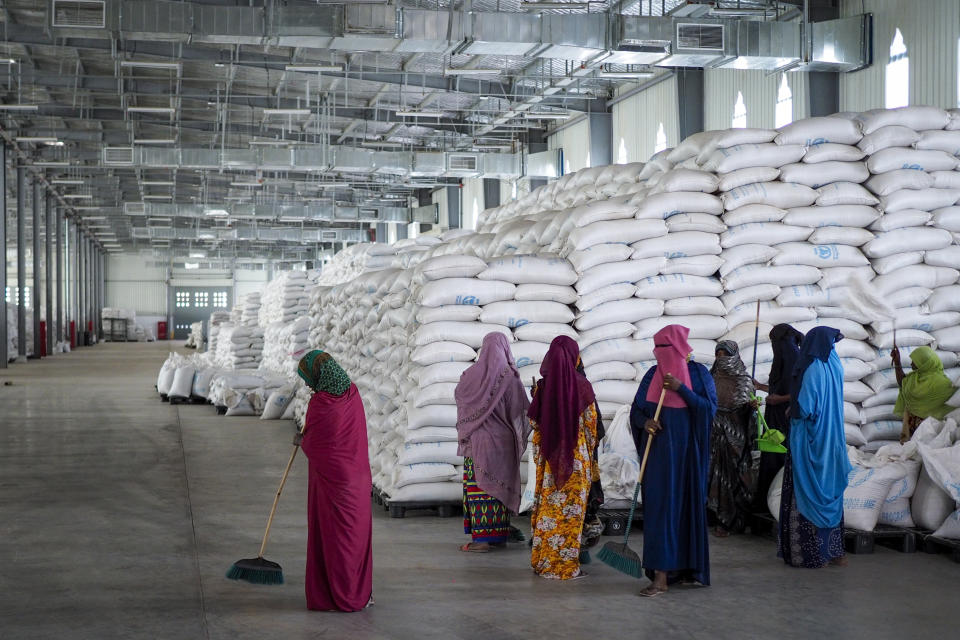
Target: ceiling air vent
[79, 14]
[700, 36]
[461, 162]
[329, 236]
[118, 156]
[369, 213]
[134, 208]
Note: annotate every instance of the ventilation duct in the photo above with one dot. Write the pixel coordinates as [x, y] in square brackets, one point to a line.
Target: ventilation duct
[838, 45]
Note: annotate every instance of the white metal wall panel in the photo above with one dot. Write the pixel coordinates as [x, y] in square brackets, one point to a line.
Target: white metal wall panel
[637, 119]
[439, 198]
[575, 142]
[759, 88]
[143, 296]
[931, 30]
[472, 199]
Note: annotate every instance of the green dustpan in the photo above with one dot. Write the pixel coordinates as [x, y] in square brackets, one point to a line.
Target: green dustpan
[769, 440]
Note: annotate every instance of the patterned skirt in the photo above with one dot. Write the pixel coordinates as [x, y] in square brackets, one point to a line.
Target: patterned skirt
[484, 517]
[801, 543]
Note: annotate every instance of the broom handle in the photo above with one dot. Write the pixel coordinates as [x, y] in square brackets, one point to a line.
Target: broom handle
[756, 338]
[643, 466]
[276, 498]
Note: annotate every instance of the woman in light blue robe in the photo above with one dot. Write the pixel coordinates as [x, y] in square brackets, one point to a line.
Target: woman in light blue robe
[816, 468]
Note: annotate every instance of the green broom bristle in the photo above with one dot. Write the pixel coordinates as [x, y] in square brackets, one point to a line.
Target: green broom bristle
[619, 556]
[256, 571]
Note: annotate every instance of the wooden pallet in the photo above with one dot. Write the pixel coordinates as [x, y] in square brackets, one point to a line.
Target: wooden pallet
[441, 509]
[860, 542]
[615, 520]
[221, 410]
[930, 543]
[190, 400]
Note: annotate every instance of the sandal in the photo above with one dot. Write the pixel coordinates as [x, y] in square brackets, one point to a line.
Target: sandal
[652, 592]
[469, 548]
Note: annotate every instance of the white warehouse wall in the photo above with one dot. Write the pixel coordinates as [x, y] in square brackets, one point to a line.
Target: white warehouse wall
[130, 284]
[575, 142]
[637, 119]
[471, 199]
[760, 90]
[931, 30]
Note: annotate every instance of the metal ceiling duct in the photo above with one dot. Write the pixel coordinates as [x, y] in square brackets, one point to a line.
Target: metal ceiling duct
[838, 45]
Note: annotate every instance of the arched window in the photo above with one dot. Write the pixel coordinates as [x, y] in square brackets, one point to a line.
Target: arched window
[739, 113]
[661, 142]
[898, 74]
[622, 152]
[784, 112]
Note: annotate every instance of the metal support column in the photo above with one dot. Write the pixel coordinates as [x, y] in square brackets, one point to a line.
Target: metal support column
[48, 230]
[600, 125]
[690, 101]
[81, 317]
[21, 265]
[454, 215]
[58, 225]
[35, 248]
[4, 356]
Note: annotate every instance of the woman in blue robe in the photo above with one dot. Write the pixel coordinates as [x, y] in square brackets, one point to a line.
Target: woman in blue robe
[674, 488]
[816, 468]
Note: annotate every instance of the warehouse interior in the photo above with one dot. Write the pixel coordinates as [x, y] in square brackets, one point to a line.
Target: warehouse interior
[197, 194]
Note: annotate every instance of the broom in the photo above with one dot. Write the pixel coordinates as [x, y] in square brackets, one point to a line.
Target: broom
[619, 555]
[259, 570]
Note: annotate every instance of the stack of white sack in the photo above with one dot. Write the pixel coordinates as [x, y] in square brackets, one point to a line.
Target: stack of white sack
[12, 342]
[217, 318]
[250, 309]
[242, 392]
[936, 502]
[239, 347]
[284, 298]
[119, 324]
[167, 372]
[284, 343]
[353, 261]
[195, 339]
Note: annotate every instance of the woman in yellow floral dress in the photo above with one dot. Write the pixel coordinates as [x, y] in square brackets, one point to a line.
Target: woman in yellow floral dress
[564, 420]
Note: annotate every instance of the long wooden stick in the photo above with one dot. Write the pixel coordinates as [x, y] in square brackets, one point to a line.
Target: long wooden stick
[646, 449]
[276, 498]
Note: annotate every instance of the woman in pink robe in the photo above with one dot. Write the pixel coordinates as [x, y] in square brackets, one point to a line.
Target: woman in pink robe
[339, 520]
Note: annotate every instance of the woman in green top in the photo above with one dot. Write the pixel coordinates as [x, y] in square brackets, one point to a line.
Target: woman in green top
[923, 392]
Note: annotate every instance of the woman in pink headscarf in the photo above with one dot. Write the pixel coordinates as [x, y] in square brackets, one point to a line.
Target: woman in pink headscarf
[674, 489]
[492, 429]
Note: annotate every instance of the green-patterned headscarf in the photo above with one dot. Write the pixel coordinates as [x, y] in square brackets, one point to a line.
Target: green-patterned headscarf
[322, 373]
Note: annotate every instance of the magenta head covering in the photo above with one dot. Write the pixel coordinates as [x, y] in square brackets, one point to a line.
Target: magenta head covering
[561, 397]
[671, 350]
[482, 385]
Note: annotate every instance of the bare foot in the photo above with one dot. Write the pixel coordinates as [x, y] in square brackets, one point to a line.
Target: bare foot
[839, 562]
[720, 532]
[652, 591]
[476, 547]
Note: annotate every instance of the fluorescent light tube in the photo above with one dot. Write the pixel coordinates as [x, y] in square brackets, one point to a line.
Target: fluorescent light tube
[51, 163]
[314, 68]
[153, 141]
[271, 143]
[217, 212]
[78, 196]
[147, 64]
[545, 116]
[158, 183]
[197, 254]
[156, 196]
[66, 181]
[168, 110]
[393, 145]
[423, 114]
[19, 107]
[36, 139]
[286, 112]
[472, 72]
[191, 265]
[7, 61]
[92, 217]
[246, 184]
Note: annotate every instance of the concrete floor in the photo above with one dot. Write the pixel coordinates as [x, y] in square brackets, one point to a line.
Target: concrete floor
[119, 515]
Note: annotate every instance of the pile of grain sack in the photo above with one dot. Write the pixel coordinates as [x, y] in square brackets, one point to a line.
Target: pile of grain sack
[696, 236]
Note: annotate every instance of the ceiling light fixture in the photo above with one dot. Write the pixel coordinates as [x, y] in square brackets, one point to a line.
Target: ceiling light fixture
[314, 68]
[156, 196]
[534, 6]
[471, 72]
[66, 181]
[147, 64]
[19, 107]
[540, 115]
[7, 61]
[91, 217]
[51, 163]
[246, 184]
[78, 196]
[381, 143]
[217, 212]
[167, 110]
[154, 141]
[271, 143]
[158, 183]
[36, 139]
[422, 114]
[286, 112]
